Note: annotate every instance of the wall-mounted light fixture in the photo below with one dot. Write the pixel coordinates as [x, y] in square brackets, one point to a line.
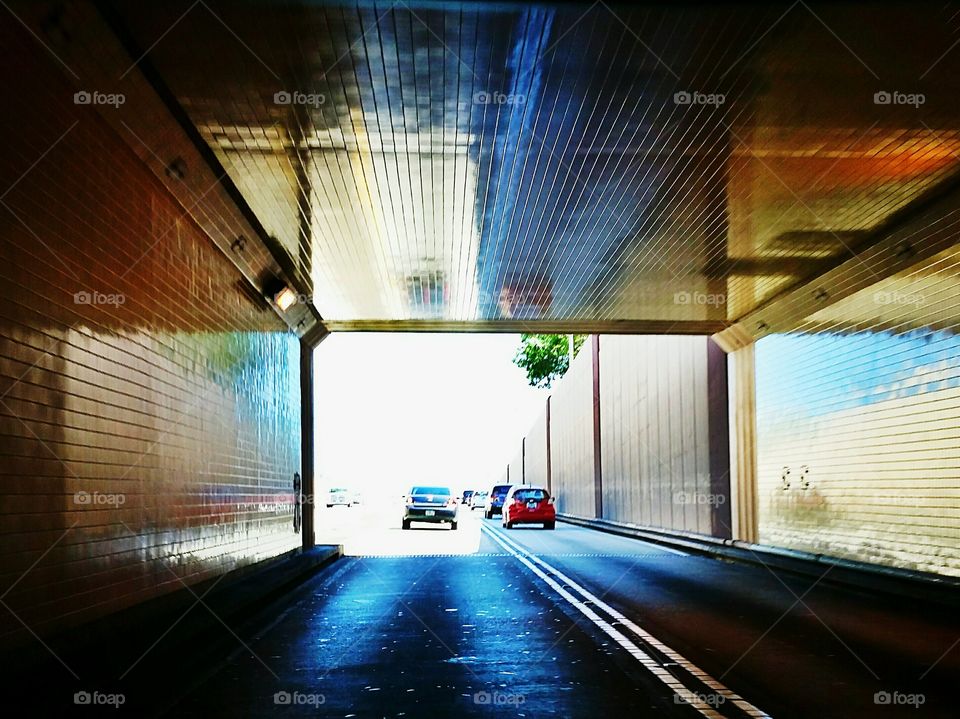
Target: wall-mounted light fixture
[285, 299]
[279, 293]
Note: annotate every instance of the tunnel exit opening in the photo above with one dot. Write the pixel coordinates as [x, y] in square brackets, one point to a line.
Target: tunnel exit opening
[635, 430]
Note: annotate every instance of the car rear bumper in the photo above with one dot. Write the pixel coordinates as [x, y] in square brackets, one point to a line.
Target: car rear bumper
[440, 514]
[532, 517]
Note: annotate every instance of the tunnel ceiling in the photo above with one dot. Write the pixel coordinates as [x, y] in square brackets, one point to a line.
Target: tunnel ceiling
[465, 163]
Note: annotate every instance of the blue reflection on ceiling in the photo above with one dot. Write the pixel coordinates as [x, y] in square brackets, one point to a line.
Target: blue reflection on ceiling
[520, 94]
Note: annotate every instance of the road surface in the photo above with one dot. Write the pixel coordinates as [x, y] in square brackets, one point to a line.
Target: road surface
[574, 623]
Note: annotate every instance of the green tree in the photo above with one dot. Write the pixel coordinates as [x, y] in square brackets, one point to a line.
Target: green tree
[545, 358]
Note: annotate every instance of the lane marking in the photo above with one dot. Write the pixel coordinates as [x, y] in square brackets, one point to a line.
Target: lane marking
[528, 559]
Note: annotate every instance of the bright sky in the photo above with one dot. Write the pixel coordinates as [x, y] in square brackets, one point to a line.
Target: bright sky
[398, 409]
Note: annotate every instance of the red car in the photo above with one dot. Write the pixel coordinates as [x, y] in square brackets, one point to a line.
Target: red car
[529, 505]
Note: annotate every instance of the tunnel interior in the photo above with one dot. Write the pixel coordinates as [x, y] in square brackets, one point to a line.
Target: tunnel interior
[749, 210]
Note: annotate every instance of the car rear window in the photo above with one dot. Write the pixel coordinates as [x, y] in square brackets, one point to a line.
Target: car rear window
[430, 490]
[526, 495]
[500, 489]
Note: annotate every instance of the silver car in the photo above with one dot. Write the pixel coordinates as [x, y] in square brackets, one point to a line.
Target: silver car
[478, 500]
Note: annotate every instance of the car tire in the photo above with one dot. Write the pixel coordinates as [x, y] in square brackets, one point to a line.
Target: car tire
[488, 515]
[549, 525]
[508, 525]
[329, 506]
[405, 524]
[453, 525]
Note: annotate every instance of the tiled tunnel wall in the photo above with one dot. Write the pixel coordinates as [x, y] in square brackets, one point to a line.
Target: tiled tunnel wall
[149, 411]
[858, 446]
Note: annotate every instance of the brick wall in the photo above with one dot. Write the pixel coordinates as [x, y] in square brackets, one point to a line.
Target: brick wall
[858, 445]
[149, 429]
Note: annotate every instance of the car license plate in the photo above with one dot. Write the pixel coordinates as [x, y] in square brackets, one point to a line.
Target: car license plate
[531, 505]
[429, 513]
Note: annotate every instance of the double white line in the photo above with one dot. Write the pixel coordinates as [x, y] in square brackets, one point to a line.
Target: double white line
[591, 607]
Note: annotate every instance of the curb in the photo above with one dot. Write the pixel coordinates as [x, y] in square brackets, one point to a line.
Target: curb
[106, 649]
[902, 583]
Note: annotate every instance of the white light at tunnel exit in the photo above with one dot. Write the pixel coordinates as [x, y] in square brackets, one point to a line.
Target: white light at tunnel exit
[285, 299]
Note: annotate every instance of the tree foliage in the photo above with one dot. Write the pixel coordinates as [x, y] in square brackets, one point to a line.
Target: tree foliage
[545, 358]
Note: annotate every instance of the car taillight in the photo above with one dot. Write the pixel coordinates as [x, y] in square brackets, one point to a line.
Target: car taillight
[410, 500]
[450, 501]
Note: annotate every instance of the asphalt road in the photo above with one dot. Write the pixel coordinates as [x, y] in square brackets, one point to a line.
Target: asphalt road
[576, 623]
